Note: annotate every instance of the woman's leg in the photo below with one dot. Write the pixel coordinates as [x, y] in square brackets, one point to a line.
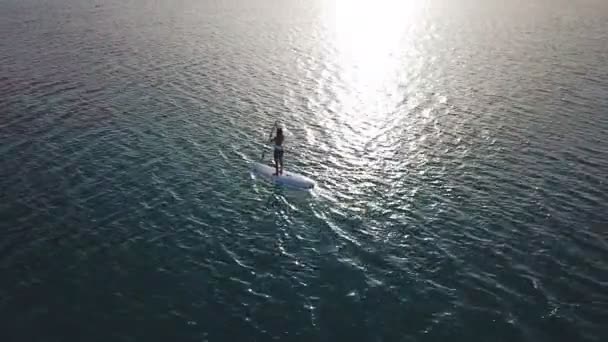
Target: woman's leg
[276, 162]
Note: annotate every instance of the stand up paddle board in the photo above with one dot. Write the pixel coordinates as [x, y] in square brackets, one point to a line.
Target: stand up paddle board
[289, 179]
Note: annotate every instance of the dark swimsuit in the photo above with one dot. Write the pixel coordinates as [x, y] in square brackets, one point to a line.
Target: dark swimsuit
[278, 152]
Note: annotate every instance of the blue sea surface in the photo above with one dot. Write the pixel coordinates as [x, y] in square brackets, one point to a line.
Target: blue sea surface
[460, 150]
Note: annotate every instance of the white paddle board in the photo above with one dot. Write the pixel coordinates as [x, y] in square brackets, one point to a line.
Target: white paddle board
[289, 179]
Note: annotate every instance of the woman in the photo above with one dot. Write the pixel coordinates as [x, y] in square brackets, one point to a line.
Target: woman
[278, 150]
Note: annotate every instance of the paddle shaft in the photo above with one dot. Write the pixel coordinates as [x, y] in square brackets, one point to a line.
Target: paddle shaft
[269, 138]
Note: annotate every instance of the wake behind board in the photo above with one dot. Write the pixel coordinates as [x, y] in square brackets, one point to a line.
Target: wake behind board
[289, 179]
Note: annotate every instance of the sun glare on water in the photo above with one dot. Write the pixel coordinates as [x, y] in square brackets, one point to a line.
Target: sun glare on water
[368, 34]
[368, 39]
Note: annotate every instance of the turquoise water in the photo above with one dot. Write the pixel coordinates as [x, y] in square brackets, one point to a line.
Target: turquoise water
[460, 150]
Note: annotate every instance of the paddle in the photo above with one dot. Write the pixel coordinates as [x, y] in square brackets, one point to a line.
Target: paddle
[270, 137]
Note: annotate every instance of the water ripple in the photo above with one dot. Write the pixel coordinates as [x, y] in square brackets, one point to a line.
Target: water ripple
[460, 168]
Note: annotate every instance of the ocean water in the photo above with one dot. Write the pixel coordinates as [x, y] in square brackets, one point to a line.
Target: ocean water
[460, 150]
